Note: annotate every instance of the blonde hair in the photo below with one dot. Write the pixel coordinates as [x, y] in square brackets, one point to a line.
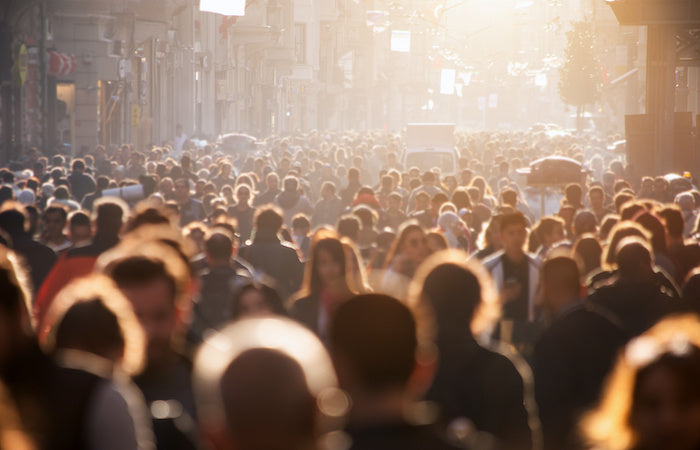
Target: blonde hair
[609, 424]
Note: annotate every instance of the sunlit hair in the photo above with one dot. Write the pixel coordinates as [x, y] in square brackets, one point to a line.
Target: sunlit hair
[481, 312]
[98, 288]
[620, 231]
[16, 295]
[157, 252]
[398, 246]
[673, 343]
[328, 241]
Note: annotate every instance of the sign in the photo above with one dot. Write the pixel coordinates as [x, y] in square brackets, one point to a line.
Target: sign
[400, 41]
[135, 115]
[22, 63]
[224, 7]
[447, 81]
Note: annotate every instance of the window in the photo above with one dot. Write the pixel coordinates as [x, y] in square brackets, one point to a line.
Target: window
[300, 42]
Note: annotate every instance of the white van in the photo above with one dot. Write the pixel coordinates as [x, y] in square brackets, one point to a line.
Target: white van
[430, 145]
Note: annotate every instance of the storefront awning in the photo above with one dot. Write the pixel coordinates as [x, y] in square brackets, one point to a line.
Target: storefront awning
[61, 64]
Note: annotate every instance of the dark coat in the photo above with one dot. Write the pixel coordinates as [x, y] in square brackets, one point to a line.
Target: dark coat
[636, 305]
[278, 260]
[483, 386]
[572, 358]
[306, 310]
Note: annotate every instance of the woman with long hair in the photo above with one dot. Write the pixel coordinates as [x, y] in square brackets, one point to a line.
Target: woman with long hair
[408, 251]
[329, 279]
[652, 398]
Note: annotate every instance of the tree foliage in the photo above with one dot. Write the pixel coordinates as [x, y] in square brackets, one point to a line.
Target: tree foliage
[580, 81]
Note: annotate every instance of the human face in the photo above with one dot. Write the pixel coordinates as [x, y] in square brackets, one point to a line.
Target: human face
[555, 236]
[54, 224]
[252, 303]
[415, 247]
[182, 191]
[662, 416]
[513, 238]
[329, 270]
[596, 199]
[80, 233]
[154, 306]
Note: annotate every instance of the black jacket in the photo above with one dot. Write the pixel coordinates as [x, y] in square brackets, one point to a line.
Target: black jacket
[278, 260]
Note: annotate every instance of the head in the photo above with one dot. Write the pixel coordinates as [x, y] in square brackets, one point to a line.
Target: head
[327, 267]
[155, 280]
[268, 220]
[651, 399]
[410, 245]
[454, 295]
[255, 299]
[109, 216]
[513, 233]
[91, 315]
[219, 247]
[597, 197]
[54, 221]
[589, 251]
[559, 282]
[265, 391]
[374, 345]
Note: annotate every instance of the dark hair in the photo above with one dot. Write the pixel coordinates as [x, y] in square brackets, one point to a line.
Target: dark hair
[78, 164]
[673, 220]
[219, 245]
[509, 197]
[349, 226]
[270, 294]
[267, 401]
[56, 209]
[301, 221]
[376, 336]
[92, 327]
[562, 272]
[513, 218]
[268, 219]
[140, 270]
[589, 250]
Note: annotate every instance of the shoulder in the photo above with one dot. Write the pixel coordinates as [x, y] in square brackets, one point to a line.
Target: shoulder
[493, 260]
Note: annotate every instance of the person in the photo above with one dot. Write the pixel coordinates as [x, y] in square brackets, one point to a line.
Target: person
[218, 283]
[178, 142]
[589, 251]
[94, 336]
[572, 356]
[408, 251]
[549, 231]
[651, 399]
[472, 380]
[301, 230]
[243, 212]
[54, 221]
[393, 216]
[633, 296]
[39, 257]
[26, 371]
[292, 201]
[327, 283]
[269, 256]
[516, 276]
[266, 391]
[384, 367]
[272, 182]
[596, 196]
[81, 183]
[154, 277]
[329, 208]
[79, 229]
[190, 209]
[109, 216]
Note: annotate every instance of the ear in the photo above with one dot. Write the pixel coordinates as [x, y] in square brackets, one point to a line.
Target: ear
[423, 371]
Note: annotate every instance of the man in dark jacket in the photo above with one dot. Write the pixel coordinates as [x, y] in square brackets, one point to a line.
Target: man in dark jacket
[219, 283]
[269, 256]
[573, 356]
[80, 182]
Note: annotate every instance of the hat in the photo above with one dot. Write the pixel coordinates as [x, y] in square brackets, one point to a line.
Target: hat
[26, 197]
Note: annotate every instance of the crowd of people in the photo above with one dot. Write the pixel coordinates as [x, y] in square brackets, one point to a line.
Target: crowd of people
[316, 294]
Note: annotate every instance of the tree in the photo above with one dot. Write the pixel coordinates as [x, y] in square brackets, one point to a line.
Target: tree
[580, 81]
